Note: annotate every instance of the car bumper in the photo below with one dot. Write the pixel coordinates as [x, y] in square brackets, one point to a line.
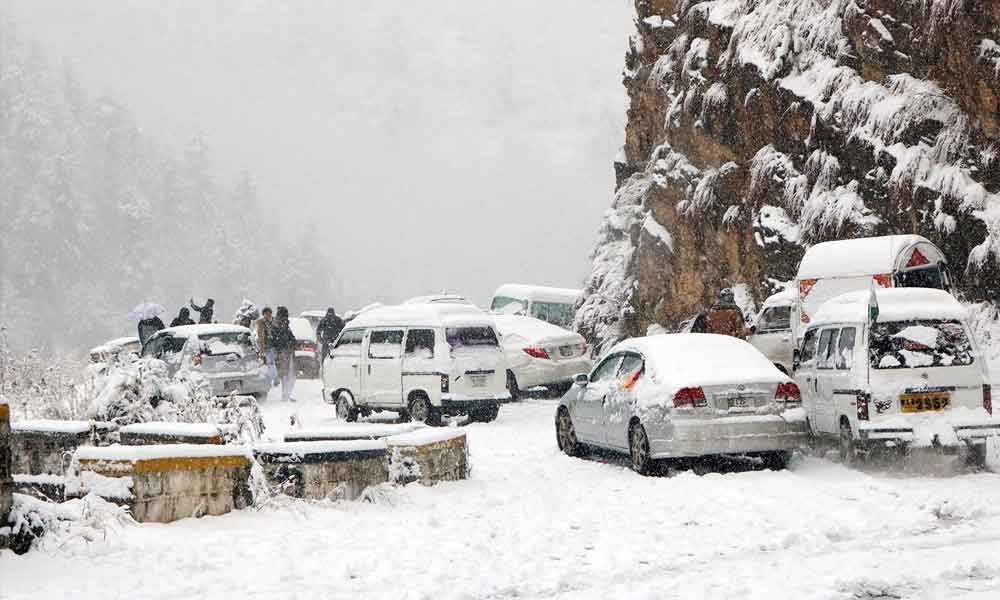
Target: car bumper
[550, 373]
[249, 384]
[457, 404]
[727, 435]
[943, 435]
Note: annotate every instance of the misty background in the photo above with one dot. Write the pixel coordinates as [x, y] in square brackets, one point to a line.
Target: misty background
[305, 153]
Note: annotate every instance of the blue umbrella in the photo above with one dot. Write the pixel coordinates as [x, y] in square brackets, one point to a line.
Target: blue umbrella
[146, 310]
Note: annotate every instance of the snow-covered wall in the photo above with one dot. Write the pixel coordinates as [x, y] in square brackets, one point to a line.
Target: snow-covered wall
[758, 127]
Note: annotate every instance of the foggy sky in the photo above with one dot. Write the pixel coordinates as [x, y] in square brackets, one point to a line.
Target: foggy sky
[446, 144]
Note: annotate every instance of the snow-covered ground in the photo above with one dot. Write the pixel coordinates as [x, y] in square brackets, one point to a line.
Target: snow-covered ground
[533, 523]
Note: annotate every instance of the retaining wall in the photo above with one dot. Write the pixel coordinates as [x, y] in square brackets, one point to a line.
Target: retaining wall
[352, 431]
[171, 482]
[6, 482]
[428, 456]
[144, 434]
[46, 447]
[324, 469]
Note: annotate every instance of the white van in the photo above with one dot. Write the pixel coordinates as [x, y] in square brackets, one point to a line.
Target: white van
[553, 305]
[911, 377]
[421, 360]
[771, 332]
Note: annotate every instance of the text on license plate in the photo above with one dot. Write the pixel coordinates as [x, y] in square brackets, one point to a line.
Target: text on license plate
[741, 402]
[911, 403]
[478, 380]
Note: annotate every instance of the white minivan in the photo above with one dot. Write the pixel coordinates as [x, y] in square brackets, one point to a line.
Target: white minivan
[896, 368]
[550, 304]
[420, 360]
[772, 333]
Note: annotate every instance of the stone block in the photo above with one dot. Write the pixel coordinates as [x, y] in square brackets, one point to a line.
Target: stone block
[175, 481]
[324, 469]
[6, 481]
[352, 431]
[144, 434]
[428, 456]
[45, 447]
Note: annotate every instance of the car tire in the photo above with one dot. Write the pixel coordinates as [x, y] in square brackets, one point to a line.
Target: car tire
[847, 446]
[777, 461]
[420, 409]
[566, 434]
[515, 391]
[638, 450]
[346, 411]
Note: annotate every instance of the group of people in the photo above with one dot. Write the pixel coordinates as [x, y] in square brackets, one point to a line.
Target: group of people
[152, 323]
[276, 344]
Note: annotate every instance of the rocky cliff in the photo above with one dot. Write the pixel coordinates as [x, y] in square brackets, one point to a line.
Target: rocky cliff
[758, 127]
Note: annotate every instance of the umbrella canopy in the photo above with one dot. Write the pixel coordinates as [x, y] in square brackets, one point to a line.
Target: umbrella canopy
[146, 310]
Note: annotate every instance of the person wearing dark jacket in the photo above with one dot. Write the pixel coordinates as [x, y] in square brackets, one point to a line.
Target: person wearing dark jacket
[204, 312]
[282, 341]
[183, 318]
[327, 331]
[148, 327]
[725, 318]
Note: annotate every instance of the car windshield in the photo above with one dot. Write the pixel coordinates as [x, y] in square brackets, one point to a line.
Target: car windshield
[777, 318]
[553, 312]
[237, 342]
[507, 305]
[924, 343]
[471, 337]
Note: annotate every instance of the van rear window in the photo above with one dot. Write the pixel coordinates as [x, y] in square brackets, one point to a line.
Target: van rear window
[915, 344]
[475, 337]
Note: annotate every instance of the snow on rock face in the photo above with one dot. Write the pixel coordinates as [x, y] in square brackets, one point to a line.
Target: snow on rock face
[757, 129]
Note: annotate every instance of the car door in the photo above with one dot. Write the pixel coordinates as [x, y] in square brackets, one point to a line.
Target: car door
[620, 401]
[825, 379]
[805, 374]
[773, 335]
[588, 410]
[383, 376]
[844, 395]
[342, 369]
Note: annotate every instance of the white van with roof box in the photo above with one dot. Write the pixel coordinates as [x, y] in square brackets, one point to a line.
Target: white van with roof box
[550, 304]
[897, 369]
[421, 360]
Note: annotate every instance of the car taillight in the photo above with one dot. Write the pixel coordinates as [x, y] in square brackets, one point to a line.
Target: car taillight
[788, 392]
[988, 398]
[445, 384]
[196, 359]
[862, 406]
[307, 347]
[536, 352]
[690, 396]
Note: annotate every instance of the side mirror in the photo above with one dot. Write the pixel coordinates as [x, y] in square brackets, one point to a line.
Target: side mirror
[796, 359]
[581, 379]
[753, 329]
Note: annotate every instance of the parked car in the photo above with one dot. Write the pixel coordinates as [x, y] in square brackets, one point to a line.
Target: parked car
[420, 360]
[683, 395]
[314, 317]
[896, 369]
[540, 354]
[306, 348]
[112, 348]
[224, 354]
[771, 333]
[439, 299]
[553, 305]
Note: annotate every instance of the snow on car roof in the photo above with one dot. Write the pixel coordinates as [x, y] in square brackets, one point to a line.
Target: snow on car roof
[699, 359]
[313, 313]
[302, 329]
[440, 298]
[540, 293]
[852, 258]
[785, 297]
[431, 315]
[534, 330]
[117, 343]
[186, 331]
[895, 304]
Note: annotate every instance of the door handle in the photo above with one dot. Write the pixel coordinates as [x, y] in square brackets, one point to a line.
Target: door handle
[369, 369]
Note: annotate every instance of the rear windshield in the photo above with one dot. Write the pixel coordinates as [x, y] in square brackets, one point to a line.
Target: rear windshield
[237, 342]
[914, 344]
[553, 312]
[471, 337]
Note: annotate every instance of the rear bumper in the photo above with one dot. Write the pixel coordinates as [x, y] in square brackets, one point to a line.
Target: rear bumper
[551, 372]
[453, 404]
[943, 435]
[728, 435]
[249, 383]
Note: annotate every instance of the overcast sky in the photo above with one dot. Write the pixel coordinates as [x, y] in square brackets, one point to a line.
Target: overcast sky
[442, 144]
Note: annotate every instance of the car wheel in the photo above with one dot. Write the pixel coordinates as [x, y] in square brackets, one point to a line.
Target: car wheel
[848, 449]
[515, 392]
[638, 446]
[777, 461]
[566, 434]
[420, 410]
[345, 411]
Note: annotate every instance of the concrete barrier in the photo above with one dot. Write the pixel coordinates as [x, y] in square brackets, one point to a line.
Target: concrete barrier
[428, 456]
[45, 447]
[324, 469]
[171, 482]
[6, 482]
[144, 434]
[352, 431]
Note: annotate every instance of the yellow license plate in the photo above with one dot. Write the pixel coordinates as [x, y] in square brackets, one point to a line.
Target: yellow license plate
[911, 403]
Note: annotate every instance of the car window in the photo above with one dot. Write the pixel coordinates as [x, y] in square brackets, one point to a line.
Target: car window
[777, 318]
[630, 367]
[919, 343]
[845, 348]
[553, 312]
[471, 337]
[607, 368]
[172, 345]
[507, 305]
[385, 343]
[349, 343]
[808, 352]
[928, 277]
[420, 343]
[824, 354]
[153, 346]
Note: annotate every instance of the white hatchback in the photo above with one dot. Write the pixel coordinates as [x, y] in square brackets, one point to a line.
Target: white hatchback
[540, 354]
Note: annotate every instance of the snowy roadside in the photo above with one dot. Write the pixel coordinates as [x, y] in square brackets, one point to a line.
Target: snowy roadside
[533, 523]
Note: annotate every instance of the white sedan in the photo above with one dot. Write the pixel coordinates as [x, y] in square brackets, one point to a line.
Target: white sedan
[684, 395]
[540, 354]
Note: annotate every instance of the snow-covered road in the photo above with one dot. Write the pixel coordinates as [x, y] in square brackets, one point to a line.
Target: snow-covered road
[533, 523]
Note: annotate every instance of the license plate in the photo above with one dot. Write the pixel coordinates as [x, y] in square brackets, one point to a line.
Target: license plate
[566, 351]
[478, 380]
[911, 403]
[232, 386]
[740, 403]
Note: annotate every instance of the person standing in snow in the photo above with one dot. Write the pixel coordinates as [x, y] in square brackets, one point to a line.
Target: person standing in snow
[282, 340]
[246, 314]
[263, 327]
[725, 318]
[148, 327]
[327, 331]
[206, 312]
[183, 318]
